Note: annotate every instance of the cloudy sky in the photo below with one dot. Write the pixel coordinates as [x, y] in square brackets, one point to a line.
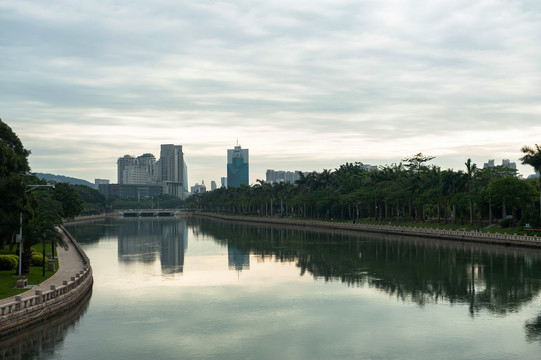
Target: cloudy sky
[304, 85]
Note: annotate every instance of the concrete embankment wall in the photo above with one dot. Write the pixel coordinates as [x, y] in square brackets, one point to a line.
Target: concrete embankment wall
[31, 307]
[456, 235]
[90, 218]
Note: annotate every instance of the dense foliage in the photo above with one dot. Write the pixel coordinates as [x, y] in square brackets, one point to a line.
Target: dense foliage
[163, 201]
[24, 197]
[411, 190]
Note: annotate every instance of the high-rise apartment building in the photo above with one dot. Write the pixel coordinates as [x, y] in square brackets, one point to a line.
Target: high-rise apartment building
[169, 173]
[237, 167]
[140, 170]
[172, 169]
[122, 163]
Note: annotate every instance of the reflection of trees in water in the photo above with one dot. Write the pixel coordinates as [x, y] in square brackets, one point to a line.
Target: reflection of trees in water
[42, 339]
[494, 278]
[99, 229]
[533, 329]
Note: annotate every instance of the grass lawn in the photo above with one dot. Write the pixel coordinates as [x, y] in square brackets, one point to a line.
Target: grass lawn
[8, 278]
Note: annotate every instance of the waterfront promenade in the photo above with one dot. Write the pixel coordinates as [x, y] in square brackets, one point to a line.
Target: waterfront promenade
[72, 280]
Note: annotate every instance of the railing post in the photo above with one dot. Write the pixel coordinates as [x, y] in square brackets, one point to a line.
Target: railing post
[19, 300]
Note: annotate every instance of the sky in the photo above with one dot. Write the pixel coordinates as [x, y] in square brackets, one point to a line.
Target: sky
[304, 85]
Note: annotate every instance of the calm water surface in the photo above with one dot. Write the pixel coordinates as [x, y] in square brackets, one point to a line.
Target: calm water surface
[199, 289]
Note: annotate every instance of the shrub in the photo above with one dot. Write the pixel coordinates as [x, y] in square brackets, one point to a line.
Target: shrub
[8, 262]
[505, 223]
[37, 259]
[531, 217]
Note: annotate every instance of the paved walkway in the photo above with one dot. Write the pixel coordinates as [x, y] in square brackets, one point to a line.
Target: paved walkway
[69, 263]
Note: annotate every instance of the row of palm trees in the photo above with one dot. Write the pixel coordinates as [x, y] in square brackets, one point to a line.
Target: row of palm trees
[410, 190]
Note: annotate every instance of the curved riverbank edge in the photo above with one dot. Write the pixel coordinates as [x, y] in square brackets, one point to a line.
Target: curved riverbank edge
[66, 290]
[455, 235]
[89, 218]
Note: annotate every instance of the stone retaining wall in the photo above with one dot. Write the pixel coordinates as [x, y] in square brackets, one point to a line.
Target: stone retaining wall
[457, 235]
[24, 312]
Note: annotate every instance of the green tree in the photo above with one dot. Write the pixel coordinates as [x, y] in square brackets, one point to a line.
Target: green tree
[69, 198]
[40, 212]
[511, 193]
[94, 201]
[532, 157]
[470, 172]
[13, 156]
[13, 199]
[41, 226]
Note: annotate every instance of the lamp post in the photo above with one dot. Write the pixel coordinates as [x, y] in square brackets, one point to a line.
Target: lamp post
[20, 240]
[44, 235]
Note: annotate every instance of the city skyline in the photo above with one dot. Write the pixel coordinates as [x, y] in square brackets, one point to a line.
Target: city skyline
[303, 85]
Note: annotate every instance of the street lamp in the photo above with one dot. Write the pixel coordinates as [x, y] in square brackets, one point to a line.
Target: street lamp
[20, 238]
[44, 235]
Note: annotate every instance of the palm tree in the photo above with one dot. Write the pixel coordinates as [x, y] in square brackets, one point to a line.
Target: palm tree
[532, 157]
[471, 168]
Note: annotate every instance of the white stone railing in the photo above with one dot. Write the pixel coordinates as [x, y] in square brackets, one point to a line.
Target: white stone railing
[22, 309]
[41, 297]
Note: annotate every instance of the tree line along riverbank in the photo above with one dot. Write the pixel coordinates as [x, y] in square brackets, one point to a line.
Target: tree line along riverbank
[412, 190]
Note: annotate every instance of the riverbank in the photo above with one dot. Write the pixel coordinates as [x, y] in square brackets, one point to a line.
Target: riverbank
[58, 294]
[455, 235]
[90, 218]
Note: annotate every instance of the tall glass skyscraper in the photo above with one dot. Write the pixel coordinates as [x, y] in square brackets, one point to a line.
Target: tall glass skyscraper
[237, 167]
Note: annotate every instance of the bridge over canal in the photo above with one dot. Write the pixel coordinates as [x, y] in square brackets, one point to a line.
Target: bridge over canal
[148, 212]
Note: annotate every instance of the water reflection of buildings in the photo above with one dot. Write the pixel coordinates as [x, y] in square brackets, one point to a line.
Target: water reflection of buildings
[174, 243]
[141, 240]
[237, 259]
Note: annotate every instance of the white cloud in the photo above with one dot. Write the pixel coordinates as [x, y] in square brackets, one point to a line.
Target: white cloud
[304, 83]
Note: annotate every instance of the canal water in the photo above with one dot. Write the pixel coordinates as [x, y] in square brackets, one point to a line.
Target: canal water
[193, 288]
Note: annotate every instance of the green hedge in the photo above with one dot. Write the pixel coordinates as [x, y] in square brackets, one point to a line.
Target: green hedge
[8, 262]
[37, 259]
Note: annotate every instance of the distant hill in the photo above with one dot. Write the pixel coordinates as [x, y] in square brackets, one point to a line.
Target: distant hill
[64, 179]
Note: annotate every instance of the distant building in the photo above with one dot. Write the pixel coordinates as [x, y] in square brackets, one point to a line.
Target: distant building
[131, 191]
[199, 188]
[534, 176]
[185, 176]
[237, 167]
[172, 163]
[489, 164]
[169, 173]
[369, 167]
[212, 185]
[98, 182]
[123, 163]
[172, 169]
[278, 176]
[506, 163]
[223, 182]
[140, 170]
